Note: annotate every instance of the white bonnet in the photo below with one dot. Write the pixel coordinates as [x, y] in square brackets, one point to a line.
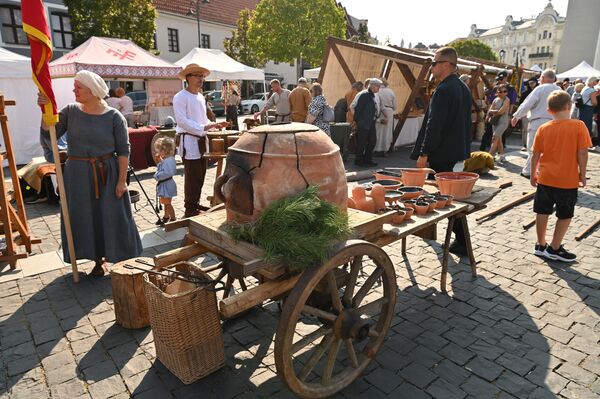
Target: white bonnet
[93, 82]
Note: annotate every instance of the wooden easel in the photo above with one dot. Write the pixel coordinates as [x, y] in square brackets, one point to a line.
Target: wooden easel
[13, 220]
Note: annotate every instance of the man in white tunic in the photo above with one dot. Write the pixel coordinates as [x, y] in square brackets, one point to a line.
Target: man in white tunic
[384, 129]
[535, 107]
[192, 124]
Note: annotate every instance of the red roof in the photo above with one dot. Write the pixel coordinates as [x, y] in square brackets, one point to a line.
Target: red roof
[220, 11]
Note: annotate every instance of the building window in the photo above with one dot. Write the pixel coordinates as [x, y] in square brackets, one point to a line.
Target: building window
[545, 34]
[540, 36]
[514, 53]
[62, 36]
[12, 25]
[549, 35]
[276, 62]
[537, 50]
[525, 37]
[205, 39]
[292, 63]
[173, 40]
[522, 53]
[154, 41]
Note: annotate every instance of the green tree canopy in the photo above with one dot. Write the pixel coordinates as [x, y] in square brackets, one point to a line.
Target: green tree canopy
[238, 45]
[124, 19]
[474, 48]
[284, 30]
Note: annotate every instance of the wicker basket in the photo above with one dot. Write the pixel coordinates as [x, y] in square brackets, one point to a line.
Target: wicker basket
[186, 326]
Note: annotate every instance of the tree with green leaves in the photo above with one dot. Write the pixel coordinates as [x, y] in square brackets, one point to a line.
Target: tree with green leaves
[124, 19]
[284, 30]
[238, 45]
[474, 48]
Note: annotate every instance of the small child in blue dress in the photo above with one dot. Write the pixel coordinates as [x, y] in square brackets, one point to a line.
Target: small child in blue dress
[166, 168]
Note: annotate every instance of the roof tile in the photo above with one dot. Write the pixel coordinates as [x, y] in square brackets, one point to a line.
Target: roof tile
[220, 11]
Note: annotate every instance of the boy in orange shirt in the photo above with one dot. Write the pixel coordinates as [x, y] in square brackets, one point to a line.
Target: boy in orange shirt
[560, 151]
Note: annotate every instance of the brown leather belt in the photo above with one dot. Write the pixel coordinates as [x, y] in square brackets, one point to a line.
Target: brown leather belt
[97, 164]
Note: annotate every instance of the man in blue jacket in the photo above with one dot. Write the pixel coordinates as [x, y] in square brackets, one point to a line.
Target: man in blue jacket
[444, 138]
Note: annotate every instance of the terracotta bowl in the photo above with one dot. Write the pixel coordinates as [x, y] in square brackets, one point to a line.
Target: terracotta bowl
[410, 204]
[411, 192]
[408, 212]
[457, 184]
[421, 208]
[384, 176]
[448, 198]
[393, 196]
[388, 184]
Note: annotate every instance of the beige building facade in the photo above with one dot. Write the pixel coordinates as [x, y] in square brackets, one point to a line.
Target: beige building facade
[536, 41]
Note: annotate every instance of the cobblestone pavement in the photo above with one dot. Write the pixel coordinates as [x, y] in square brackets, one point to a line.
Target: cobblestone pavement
[524, 327]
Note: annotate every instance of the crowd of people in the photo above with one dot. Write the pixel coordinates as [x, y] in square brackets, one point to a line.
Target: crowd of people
[98, 148]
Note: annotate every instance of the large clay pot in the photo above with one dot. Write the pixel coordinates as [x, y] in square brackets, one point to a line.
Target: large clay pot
[272, 162]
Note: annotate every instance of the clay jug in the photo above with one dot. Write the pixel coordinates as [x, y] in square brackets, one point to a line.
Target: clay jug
[272, 162]
[361, 201]
[378, 195]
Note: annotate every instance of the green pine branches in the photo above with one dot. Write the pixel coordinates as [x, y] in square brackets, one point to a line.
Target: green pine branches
[297, 231]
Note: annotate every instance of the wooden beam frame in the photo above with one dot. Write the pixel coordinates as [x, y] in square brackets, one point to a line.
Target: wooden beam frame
[416, 87]
[342, 61]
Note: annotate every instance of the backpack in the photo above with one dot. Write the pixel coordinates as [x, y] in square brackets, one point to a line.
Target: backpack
[328, 114]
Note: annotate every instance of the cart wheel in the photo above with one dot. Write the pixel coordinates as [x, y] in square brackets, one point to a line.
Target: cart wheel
[320, 351]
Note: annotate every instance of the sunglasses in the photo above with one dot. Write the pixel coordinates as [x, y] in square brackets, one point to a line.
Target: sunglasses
[434, 63]
[503, 91]
[197, 75]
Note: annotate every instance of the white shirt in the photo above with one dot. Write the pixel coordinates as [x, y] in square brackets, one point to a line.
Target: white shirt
[126, 105]
[190, 114]
[586, 95]
[535, 105]
[114, 102]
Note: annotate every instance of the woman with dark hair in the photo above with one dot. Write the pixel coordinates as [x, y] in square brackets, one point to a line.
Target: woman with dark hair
[231, 110]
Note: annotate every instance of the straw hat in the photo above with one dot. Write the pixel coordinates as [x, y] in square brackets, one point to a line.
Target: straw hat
[192, 68]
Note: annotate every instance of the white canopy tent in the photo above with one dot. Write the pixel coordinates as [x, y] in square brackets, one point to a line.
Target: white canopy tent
[581, 71]
[536, 68]
[112, 59]
[24, 118]
[312, 73]
[220, 65]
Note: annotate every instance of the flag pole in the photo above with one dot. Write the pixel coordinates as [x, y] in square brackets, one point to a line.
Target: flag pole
[63, 203]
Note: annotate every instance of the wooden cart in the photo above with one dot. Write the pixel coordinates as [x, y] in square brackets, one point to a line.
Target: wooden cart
[335, 316]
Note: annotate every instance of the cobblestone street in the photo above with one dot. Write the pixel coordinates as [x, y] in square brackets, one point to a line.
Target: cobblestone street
[525, 327]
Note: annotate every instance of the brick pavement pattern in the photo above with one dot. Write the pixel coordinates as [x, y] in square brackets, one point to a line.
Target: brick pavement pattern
[525, 327]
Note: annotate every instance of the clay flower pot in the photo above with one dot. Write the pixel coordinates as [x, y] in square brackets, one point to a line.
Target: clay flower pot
[362, 203]
[399, 217]
[431, 202]
[441, 202]
[393, 196]
[408, 212]
[448, 198]
[421, 208]
[410, 204]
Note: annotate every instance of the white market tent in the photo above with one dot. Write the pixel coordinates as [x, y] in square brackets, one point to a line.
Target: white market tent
[220, 65]
[24, 118]
[111, 59]
[581, 71]
[312, 73]
[536, 68]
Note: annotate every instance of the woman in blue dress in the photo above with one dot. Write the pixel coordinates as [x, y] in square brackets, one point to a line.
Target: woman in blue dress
[95, 176]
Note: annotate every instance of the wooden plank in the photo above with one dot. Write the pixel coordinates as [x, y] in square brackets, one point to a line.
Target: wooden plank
[342, 61]
[178, 255]
[245, 300]
[407, 73]
[508, 205]
[326, 52]
[177, 224]
[587, 230]
[503, 183]
[529, 224]
[391, 53]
